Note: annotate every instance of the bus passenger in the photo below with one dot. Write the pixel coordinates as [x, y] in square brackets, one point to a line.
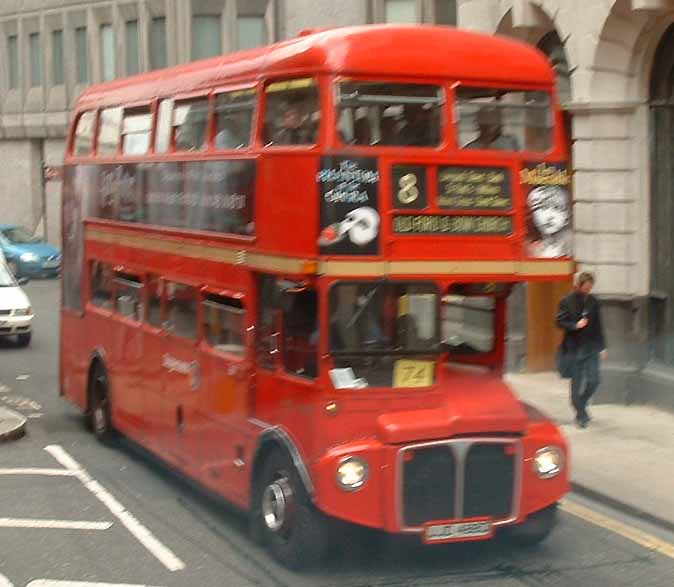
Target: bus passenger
[417, 127]
[295, 128]
[490, 128]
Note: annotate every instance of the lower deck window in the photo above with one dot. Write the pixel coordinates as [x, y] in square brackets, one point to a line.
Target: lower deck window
[468, 324]
[224, 324]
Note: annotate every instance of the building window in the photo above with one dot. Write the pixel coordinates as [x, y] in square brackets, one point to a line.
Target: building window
[251, 32]
[401, 11]
[158, 43]
[206, 36]
[132, 48]
[57, 57]
[35, 60]
[81, 47]
[13, 58]
[445, 12]
[107, 52]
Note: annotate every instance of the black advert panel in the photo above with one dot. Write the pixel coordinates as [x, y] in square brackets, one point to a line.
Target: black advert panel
[350, 218]
[409, 187]
[453, 225]
[474, 188]
[216, 196]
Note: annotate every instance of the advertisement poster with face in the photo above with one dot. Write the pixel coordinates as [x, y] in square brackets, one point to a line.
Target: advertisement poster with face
[546, 190]
[350, 218]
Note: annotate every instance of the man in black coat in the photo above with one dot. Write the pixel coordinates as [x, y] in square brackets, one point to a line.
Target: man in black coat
[583, 344]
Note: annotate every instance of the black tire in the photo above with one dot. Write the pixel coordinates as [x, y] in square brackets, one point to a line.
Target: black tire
[535, 529]
[24, 339]
[293, 530]
[100, 414]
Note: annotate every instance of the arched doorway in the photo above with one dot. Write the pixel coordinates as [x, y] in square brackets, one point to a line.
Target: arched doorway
[662, 201]
[543, 297]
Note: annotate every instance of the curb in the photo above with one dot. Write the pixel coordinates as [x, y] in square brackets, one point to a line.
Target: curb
[621, 506]
[16, 430]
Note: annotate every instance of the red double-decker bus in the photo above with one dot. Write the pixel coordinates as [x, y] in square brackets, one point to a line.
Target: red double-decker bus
[286, 273]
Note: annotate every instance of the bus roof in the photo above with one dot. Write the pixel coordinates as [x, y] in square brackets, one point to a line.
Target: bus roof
[377, 50]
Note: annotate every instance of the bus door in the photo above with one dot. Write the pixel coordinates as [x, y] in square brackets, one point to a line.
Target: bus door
[287, 355]
[127, 353]
[226, 377]
[154, 418]
[181, 374]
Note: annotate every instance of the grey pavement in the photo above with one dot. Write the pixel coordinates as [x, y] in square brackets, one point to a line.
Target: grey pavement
[623, 457]
[12, 425]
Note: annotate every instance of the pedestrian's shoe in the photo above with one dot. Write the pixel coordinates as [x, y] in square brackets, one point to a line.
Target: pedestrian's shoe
[582, 421]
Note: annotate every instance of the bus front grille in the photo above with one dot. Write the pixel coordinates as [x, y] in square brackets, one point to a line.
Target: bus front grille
[458, 479]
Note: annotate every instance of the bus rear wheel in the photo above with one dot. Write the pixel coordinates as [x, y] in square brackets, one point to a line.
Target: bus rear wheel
[284, 518]
[100, 415]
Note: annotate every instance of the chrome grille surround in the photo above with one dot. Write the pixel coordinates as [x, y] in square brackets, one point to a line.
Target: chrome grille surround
[460, 448]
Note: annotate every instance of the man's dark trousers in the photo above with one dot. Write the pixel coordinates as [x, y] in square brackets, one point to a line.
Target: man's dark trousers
[584, 382]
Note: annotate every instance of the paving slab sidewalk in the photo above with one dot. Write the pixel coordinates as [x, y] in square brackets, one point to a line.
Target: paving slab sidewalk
[12, 425]
[625, 457]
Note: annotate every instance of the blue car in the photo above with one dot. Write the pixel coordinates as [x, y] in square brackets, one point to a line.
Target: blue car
[28, 255]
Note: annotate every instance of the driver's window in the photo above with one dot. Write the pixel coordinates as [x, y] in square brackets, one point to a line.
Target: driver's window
[468, 324]
[300, 333]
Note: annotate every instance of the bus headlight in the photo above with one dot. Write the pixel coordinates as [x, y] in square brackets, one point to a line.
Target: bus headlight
[352, 473]
[548, 462]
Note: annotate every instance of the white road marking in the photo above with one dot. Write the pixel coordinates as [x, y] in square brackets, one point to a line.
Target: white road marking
[46, 472]
[4, 582]
[142, 534]
[46, 583]
[53, 524]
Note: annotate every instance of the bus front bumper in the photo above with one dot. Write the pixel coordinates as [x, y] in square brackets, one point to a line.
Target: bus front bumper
[473, 485]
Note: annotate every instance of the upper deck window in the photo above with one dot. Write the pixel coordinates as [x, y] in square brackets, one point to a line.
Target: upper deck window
[234, 114]
[504, 120]
[293, 113]
[84, 134]
[383, 114]
[136, 130]
[108, 131]
[190, 124]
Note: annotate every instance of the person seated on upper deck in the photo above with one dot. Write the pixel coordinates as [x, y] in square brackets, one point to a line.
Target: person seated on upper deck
[490, 129]
[418, 128]
[231, 134]
[296, 128]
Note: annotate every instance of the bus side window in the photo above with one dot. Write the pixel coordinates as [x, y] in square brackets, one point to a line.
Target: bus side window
[293, 113]
[84, 134]
[181, 310]
[129, 296]
[190, 124]
[100, 285]
[224, 324]
[154, 294]
[136, 130]
[109, 131]
[300, 333]
[162, 142]
[234, 115]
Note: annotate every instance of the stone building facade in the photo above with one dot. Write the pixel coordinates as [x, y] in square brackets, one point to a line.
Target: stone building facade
[614, 65]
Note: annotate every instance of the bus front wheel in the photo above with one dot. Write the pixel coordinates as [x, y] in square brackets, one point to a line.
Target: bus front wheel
[535, 529]
[284, 518]
[99, 405]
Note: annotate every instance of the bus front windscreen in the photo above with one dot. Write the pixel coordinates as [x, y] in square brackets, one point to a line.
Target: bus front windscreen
[384, 334]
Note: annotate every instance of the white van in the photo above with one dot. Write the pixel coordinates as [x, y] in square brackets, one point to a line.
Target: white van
[16, 313]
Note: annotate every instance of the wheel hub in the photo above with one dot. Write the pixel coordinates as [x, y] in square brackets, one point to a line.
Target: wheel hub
[99, 419]
[277, 502]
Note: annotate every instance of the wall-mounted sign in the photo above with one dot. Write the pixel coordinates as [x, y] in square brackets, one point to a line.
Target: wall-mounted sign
[350, 219]
[546, 189]
[474, 188]
[453, 225]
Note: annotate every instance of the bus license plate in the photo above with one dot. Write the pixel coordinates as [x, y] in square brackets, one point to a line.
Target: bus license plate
[474, 530]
